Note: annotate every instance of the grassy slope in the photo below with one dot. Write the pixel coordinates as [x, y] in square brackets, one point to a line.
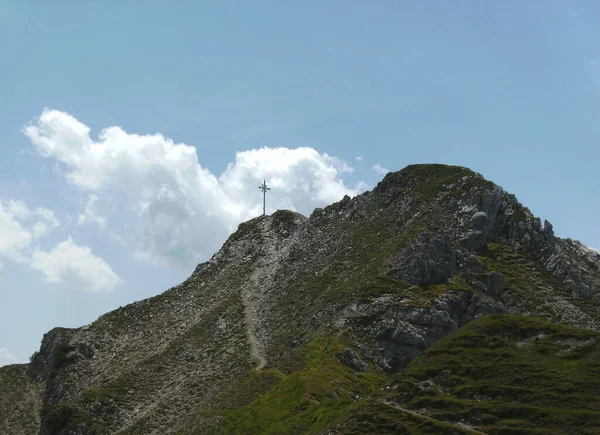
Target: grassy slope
[501, 374]
[498, 374]
[374, 416]
[317, 392]
[509, 374]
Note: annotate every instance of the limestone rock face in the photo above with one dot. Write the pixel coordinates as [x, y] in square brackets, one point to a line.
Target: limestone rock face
[385, 275]
[425, 262]
[577, 266]
[351, 359]
[495, 284]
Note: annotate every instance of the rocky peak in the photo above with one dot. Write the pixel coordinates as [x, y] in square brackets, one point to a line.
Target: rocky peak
[423, 178]
[336, 302]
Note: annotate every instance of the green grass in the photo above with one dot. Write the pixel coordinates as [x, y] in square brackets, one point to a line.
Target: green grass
[498, 374]
[428, 180]
[303, 401]
[374, 417]
[508, 371]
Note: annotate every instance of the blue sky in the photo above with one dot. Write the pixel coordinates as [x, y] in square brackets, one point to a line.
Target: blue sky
[289, 91]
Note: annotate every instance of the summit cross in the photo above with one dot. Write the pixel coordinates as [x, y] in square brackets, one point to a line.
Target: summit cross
[264, 188]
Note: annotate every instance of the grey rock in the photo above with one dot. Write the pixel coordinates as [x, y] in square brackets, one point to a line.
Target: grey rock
[479, 221]
[350, 359]
[426, 262]
[576, 266]
[495, 284]
[548, 231]
[490, 202]
[405, 332]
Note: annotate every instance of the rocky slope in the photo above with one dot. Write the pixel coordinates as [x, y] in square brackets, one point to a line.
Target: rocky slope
[297, 323]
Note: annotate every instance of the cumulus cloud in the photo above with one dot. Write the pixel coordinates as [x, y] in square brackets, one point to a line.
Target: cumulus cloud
[6, 357]
[14, 238]
[20, 226]
[359, 159]
[40, 220]
[185, 210]
[380, 170]
[75, 266]
[90, 214]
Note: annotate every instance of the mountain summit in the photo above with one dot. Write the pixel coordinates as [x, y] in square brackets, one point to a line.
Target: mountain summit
[435, 303]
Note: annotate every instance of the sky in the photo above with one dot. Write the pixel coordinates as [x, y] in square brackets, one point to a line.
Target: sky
[134, 135]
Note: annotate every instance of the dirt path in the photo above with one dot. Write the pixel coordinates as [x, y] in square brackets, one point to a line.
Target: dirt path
[416, 414]
[254, 348]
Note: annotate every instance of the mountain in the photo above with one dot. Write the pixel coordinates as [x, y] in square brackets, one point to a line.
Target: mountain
[435, 303]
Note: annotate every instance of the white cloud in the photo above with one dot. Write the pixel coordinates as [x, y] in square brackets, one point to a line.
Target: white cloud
[40, 221]
[90, 215]
[20, 226]
[184, 210]
[6, 357]
[20, 230]
[360, 159]
[75, 266]
[44, 222]
[380, 170]
[14, 238]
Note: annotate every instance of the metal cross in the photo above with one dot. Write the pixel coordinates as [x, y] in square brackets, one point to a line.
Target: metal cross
[264, 188]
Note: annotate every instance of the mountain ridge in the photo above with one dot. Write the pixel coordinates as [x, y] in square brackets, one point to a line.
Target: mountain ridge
[366, 285]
